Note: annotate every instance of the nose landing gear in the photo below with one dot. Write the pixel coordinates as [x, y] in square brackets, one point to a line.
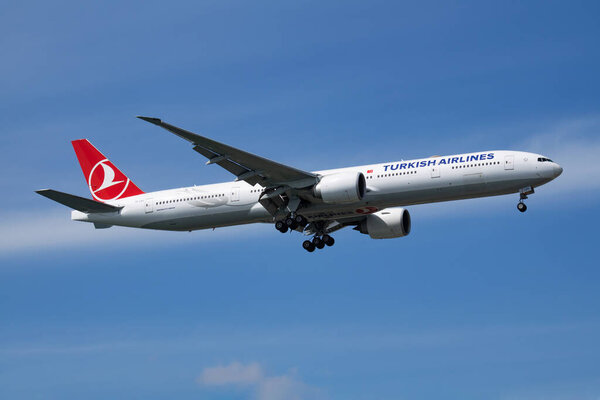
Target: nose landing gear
[523, 196]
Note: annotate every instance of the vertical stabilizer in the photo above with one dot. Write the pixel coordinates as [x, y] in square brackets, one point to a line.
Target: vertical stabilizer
[106, 182]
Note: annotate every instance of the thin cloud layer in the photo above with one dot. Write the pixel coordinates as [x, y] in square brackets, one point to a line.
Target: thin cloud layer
[259, 385]
[23, 232]
[233, 374]
[575, 145]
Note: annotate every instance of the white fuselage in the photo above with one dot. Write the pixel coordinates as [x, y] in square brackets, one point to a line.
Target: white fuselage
[399, 183]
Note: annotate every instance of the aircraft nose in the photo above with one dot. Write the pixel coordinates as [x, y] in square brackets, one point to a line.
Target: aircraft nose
[557, 170]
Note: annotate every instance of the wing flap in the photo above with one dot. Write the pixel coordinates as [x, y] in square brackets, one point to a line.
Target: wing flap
[77, 203]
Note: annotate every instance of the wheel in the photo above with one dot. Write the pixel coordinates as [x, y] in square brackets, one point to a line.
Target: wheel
[300, 220]
[291, 223]
[281, 226]
[318, 242]
[329, 241]
[521, 207]
[308, 246]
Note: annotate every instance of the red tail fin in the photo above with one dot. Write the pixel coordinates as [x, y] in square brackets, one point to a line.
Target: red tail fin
[105, 180]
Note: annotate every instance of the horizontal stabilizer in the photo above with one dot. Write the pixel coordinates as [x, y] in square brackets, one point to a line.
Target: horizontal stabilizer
[77, 203]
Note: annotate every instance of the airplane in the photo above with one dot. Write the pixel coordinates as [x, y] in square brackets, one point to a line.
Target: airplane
[370, 198]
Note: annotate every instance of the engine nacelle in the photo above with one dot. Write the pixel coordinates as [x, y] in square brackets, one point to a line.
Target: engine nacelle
[340, 188]
[386, 224]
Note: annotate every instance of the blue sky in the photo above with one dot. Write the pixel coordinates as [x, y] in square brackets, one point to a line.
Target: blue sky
[479, 301]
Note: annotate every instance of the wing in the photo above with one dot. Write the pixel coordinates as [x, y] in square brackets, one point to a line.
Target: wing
[245, 166]
[78, 203]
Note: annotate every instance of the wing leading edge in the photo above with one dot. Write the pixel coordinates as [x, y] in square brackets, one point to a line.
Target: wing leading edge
[245, 166]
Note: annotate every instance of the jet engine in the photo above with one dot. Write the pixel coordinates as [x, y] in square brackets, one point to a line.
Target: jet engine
[386, 224]
[342, 187]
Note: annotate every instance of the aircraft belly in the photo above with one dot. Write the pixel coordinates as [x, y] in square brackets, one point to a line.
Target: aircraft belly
[210, 218]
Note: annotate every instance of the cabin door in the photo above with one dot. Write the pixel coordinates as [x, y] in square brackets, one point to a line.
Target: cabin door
[235, 194]
[149, 206]
[509, 162]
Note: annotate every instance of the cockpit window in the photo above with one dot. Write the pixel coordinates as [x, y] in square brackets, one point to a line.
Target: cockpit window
[544, 159]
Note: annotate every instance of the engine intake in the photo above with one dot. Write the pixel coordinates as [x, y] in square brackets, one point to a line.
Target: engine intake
[386, 224]
[342, 187]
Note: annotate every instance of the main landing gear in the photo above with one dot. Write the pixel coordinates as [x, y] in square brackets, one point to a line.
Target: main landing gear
[318, 243]
[293, 222]
[523, 196]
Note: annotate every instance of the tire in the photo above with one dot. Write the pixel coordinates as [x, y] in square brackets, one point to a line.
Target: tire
[329, 241]
[281, 226]
[521, 207]
[300, 220]
[291, 223]
[318, 243]
[308, 246]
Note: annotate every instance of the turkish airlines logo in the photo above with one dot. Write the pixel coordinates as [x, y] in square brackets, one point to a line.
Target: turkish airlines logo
[106, 182]
[366, 210]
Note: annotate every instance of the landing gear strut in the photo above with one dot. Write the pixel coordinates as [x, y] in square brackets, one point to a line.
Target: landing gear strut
[523, 196]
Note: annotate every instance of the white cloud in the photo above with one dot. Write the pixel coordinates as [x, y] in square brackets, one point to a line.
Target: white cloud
[21, 232]
[260, 386]
[575, 145]
[233, 374]
[281, 388]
